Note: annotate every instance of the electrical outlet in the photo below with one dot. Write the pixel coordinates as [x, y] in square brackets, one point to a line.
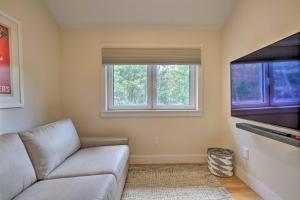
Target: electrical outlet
[245, 153]
[156, 140]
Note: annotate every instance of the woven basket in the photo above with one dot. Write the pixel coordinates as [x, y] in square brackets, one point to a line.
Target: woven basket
[220, 162]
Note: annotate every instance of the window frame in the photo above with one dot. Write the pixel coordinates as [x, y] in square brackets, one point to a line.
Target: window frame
[152, 109]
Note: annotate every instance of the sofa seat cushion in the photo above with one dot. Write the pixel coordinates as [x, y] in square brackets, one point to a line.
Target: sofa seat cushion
[48, 146]
[101, 187]
[93, 161]
[16, 170]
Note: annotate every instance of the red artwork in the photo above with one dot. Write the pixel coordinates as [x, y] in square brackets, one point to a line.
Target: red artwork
[5, 82]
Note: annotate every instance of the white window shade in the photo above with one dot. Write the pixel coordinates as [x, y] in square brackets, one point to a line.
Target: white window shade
[151, 56]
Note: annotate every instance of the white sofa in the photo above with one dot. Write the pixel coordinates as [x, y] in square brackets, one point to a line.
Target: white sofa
[52, 163]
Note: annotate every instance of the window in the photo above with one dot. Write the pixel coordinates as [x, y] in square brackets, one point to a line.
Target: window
[266, 84]
[151, 87]
[128, 86]
[174, 86]
[152, 81]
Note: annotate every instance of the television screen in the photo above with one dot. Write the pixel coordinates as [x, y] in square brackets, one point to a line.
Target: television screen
[265, 85]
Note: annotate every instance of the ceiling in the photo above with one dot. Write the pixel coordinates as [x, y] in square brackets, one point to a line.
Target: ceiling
[98, 13]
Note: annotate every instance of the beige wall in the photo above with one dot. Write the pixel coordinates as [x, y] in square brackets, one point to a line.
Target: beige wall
[82, 90]
[252, 25]
[41, 66]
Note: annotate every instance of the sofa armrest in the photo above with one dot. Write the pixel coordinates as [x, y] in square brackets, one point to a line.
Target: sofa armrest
[102, 141]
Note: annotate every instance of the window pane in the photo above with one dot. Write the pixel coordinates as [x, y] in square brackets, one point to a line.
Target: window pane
[286, 82]
[130, 85]
[173, 84]
[247, 84]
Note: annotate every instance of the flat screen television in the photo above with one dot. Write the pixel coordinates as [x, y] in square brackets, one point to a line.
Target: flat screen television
[265, 85]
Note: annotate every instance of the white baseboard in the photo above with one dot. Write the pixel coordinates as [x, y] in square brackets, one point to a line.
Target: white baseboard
[261, 189]
[168, 159]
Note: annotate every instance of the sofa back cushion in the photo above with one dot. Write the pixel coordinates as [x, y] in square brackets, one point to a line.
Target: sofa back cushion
[49, 145]
[16, 170]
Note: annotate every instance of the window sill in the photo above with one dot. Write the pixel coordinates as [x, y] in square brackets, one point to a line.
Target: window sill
[151, 113]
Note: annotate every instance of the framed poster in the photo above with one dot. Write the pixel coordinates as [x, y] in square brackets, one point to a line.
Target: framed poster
[11, 93]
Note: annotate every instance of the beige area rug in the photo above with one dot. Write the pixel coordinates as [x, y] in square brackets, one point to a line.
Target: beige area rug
[178, 182]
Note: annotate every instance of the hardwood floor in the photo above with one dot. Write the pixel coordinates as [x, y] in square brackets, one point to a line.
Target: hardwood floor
[235, 186]
[238, 189]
